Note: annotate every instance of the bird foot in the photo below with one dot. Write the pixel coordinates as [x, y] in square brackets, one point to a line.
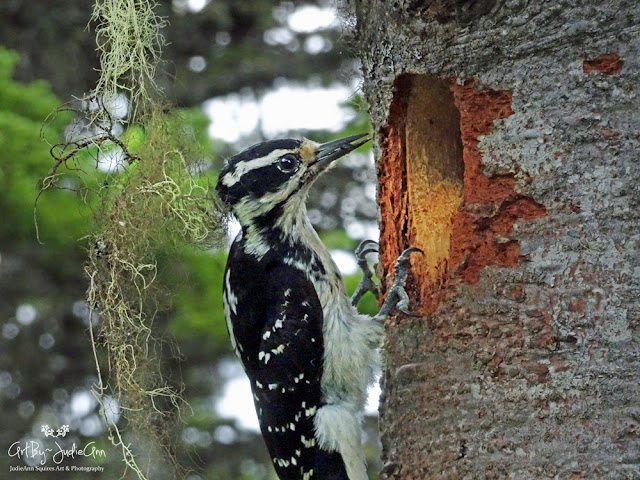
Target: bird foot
[397, 295]
[366, 284]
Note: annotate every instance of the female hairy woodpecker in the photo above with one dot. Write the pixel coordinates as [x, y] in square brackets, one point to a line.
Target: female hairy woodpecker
[308, 353]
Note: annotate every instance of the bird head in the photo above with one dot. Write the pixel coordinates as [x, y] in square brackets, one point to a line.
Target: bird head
[274, 177]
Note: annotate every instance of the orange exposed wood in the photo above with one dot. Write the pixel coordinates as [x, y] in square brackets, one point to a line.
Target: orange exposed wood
[435, 173]
[609, 64]
[484, 223]
[433, 192]
[391, 179]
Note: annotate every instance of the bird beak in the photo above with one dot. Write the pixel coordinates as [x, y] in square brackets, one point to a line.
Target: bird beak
[330, 151]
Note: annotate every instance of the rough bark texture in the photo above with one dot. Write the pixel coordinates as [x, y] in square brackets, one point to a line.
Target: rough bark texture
[507, 148]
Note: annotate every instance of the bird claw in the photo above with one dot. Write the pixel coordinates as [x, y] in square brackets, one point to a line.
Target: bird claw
[397, 295]
[403, 306]
[364, 248]
[366, 284]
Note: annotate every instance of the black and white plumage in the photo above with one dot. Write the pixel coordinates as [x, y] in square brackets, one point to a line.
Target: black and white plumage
[308, 353]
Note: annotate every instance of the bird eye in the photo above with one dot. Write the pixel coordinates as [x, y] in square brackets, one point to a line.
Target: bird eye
[288, 163]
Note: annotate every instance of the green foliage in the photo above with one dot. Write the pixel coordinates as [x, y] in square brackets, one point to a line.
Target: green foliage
[197, 123]
[195, 280]
[337, 239]
[23, 160]
[33, 101]
[133, 138]
[368, 304]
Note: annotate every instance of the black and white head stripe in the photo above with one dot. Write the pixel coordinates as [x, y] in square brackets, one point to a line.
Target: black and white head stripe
[254, 172]
[272, 178]
[260, 150]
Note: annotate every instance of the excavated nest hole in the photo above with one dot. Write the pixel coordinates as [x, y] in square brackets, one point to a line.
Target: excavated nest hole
[435, 171]
[433, 192]
[421, 178]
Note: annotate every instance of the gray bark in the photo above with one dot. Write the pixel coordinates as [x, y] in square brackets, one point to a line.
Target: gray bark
[526, 361]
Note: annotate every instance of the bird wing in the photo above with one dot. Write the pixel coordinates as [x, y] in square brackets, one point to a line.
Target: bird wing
[286, 380]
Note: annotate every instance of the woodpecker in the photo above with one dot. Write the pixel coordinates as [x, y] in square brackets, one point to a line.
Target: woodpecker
[308, 353]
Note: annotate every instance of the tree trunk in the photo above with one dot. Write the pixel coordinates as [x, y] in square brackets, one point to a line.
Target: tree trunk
[507, 149]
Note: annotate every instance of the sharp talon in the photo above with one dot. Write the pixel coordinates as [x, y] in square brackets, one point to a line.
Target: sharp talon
[397, 296]
[368, 251]
[369, 241]
[402, 303]
[404, 256]
[406, 311]
[365, 247]
[366, 284]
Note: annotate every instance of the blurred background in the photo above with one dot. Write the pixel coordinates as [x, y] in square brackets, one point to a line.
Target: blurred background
[241, 72]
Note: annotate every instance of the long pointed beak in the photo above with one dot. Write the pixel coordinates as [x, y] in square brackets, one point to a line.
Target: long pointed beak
[330, 151]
